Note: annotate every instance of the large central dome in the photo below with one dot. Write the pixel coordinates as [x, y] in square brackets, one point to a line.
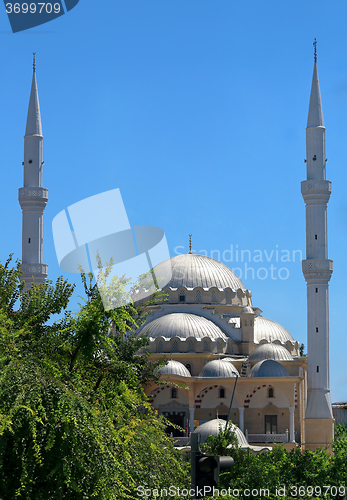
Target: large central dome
[193, 270]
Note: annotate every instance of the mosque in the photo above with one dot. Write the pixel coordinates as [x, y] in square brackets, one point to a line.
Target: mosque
[220, 349]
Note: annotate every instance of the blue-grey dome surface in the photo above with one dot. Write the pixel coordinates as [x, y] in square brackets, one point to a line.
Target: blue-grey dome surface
[270, 351]
[218, 368]
[174, 368]
[184, 326]
[270, 330]
[193, 270]
[268, 368]
[213, 427]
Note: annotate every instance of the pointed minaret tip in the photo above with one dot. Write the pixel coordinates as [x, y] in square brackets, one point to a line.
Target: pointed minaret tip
[315, 111]
[190, 243]
[33, 126]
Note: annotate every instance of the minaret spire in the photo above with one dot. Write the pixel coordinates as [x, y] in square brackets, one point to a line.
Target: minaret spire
[190, 244]
[317, 270]
[33, 197]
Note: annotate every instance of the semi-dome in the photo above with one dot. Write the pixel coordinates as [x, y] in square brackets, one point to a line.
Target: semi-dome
[184, 326]
[218, 368]
[268, 368]
[247, 310]
[193, 270]
[270, 351]
[174, 368]
[270, 330]
[213, 427]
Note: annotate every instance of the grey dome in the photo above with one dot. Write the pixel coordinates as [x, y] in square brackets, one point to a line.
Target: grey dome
[247, 310]
[193, 270]
[270, 330]
[184, 326]
[212, 428]
[268, 368]
[218, 368]
[174, 368]
[270, 351]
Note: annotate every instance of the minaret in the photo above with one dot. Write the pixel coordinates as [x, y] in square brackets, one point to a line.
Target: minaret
[317, 269]
[33, 197]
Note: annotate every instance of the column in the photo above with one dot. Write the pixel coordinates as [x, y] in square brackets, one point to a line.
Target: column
[191, 419]
[241, 418]
[291, 424]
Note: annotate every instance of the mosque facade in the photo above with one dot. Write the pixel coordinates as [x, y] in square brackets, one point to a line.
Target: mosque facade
[224, 357]
[222, 351]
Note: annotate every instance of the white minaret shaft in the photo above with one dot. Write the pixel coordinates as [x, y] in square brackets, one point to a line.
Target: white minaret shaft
[317, 268]
[33, 197]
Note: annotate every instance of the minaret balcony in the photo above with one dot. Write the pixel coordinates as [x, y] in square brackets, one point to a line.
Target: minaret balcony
[316, 190]
[33, 197]
[34, 269]
[317, 269]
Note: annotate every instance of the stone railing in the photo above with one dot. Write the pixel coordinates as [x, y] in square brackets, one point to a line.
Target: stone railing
[267, 438]
[180, 441]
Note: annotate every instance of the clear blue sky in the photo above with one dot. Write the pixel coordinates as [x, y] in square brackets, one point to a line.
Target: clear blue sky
[196, 110]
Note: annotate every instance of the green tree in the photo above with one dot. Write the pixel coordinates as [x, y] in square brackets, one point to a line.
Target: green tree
[70, 395]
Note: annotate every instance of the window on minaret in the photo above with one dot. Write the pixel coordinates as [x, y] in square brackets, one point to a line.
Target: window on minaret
[29, 240]
[317, 369]
[316, 329]
[316, 290]
[182, 296]
[315, 236]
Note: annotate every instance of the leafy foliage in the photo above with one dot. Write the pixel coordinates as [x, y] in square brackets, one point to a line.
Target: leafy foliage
[69, 398]
[279, 470]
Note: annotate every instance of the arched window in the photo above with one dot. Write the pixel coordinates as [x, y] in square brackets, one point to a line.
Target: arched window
[182, 296]
[160, 346]
[175, 346]
[222, 392]
[271, 392]
[189, 368]
[191, 346]
[174, 393]
[198, 296]
[206, 346]
[227, 296]
[213, 296]
[219, 346]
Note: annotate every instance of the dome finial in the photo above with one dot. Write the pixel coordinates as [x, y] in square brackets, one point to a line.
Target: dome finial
[34, 61]
[315, 50]
[190, 243]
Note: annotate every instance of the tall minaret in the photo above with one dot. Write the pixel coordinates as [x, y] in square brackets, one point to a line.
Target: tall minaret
[317, 269]
[33, 197]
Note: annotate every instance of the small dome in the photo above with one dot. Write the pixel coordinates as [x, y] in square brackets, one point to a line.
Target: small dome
[270, 330]
[194, 270]
[174, 368]
[268, 368]
[213, 427]
[247, 310]
[218, 368]
[184, 326]
[270, 351]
